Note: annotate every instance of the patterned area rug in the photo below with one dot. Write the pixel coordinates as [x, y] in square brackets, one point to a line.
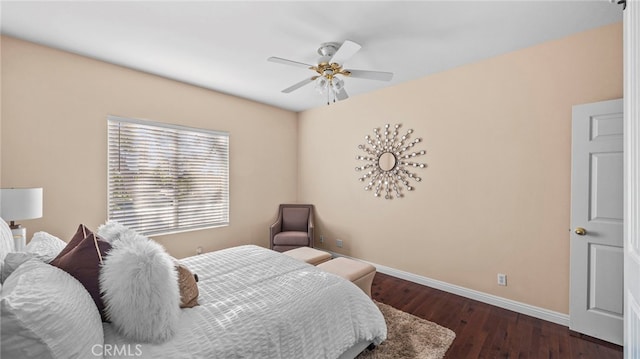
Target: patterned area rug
[410, 337]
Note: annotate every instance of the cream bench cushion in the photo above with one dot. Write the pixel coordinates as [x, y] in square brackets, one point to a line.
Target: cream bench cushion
[359, 273]
[309, 255]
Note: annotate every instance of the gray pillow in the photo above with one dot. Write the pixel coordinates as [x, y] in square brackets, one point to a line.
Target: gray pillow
[12, 261]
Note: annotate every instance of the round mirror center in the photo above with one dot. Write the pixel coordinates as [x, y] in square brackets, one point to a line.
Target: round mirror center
[387, 161]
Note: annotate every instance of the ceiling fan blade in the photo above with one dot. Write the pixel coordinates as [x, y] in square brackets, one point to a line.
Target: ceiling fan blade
[289, 62]
[298, 85]
[371, 75]
[344, 53]
[342, 95]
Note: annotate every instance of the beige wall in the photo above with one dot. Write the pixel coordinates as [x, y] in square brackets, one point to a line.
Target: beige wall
[495, 197]
[54, 108]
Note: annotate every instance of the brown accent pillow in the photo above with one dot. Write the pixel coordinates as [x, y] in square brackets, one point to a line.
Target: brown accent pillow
[82, 259]
[188, 287]
[81, 234]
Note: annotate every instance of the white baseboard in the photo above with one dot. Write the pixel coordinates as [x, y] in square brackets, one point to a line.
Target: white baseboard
[523, 308]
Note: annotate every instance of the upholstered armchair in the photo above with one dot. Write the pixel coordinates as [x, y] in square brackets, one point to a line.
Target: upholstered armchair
[293, 228]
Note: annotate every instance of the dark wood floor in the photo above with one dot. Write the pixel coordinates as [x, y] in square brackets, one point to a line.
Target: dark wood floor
[485, 331]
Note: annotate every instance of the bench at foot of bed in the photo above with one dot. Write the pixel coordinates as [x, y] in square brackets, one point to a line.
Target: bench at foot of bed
[359, 273]
[309, 255]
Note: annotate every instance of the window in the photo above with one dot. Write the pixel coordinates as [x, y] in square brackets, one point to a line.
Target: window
[166, 178]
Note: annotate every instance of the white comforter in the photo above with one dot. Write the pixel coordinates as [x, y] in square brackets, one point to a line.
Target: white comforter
[256, 303]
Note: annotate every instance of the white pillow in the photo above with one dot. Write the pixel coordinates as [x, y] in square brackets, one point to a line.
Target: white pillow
[45, 246]
[46, 313]
[140, 290]
[6, 242]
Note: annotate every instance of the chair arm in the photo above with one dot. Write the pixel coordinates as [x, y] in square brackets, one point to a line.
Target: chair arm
[276, 227]
[310, 233]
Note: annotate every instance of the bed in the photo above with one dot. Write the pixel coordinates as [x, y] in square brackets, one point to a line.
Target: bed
[253, 303]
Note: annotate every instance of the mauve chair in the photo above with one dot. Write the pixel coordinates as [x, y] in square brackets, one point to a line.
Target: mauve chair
[293, 228]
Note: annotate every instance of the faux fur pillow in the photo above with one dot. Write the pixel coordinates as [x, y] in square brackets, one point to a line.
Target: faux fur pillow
[113, 231]
[140, 290]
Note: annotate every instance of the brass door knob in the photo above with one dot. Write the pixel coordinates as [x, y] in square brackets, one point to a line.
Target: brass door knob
[580, 231]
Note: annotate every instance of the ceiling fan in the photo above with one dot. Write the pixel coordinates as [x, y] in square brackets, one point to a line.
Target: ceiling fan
[332, 57]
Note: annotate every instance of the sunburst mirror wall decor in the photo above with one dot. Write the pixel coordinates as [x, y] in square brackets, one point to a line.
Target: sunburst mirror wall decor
[388, 159]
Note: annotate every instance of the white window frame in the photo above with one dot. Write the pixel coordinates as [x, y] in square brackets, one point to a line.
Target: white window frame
[147, 190]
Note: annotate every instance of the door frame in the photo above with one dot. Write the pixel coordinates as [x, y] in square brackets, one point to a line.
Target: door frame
[631, 38]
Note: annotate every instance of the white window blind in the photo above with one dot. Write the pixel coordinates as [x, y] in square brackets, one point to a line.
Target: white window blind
[166, 178]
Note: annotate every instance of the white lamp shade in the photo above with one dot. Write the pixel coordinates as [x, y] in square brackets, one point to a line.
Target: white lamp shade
[20, 203]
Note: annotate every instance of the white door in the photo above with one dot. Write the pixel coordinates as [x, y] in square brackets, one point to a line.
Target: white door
[596, 294]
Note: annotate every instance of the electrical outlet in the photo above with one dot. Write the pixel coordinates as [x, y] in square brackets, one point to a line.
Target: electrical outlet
[321, 238]
[502, 279]
[339, 243]
[198, 250]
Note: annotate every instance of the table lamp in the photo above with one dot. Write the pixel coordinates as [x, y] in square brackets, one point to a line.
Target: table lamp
[19, 204]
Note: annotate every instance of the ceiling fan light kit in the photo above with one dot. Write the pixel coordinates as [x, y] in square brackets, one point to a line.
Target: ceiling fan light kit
[327, 82]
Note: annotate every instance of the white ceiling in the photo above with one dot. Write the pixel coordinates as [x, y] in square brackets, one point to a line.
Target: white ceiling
[224, 45]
